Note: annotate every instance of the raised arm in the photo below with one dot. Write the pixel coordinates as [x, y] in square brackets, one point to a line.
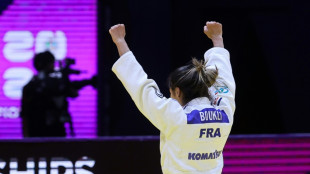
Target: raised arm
[162, 112]
[218, 56]
[223, 91]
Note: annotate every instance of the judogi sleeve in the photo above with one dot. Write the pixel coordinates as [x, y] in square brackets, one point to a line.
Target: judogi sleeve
[223, 91]
[162, 112]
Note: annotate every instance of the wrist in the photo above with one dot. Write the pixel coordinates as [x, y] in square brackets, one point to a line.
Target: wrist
[218, 41]
[119, 41]
[122, 47]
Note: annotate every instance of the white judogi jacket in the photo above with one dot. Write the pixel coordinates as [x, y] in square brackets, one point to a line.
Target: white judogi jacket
[192, 137]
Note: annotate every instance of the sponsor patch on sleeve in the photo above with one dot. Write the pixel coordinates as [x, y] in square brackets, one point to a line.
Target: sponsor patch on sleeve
[221, 90]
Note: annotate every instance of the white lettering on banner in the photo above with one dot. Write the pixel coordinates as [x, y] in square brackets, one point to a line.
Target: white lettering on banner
[54, 42]
[42, 166]
[84, 162]
[16, 78]
[18, 46]
[9, 112]
[13, 167]
[2, 164]
[55, 163]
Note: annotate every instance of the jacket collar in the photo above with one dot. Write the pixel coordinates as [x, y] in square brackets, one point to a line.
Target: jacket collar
[198, 101]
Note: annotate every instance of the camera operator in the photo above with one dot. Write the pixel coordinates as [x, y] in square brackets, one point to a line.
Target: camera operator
[44, 107]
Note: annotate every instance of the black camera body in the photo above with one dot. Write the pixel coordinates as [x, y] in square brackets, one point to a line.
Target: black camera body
[65, 67]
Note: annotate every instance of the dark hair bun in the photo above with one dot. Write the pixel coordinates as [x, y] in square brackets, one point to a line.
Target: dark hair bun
[193, 79]
[206, 74]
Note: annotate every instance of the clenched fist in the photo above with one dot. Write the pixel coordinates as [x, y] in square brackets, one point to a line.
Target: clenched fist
[118, 33]
[213, 30]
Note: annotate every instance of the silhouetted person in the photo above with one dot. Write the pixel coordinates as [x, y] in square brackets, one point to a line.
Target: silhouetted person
[44, 107]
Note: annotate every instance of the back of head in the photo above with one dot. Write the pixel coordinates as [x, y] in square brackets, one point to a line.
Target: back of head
[193, 80]
[44, 61]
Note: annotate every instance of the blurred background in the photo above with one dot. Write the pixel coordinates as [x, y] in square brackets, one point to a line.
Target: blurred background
[268, 42]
